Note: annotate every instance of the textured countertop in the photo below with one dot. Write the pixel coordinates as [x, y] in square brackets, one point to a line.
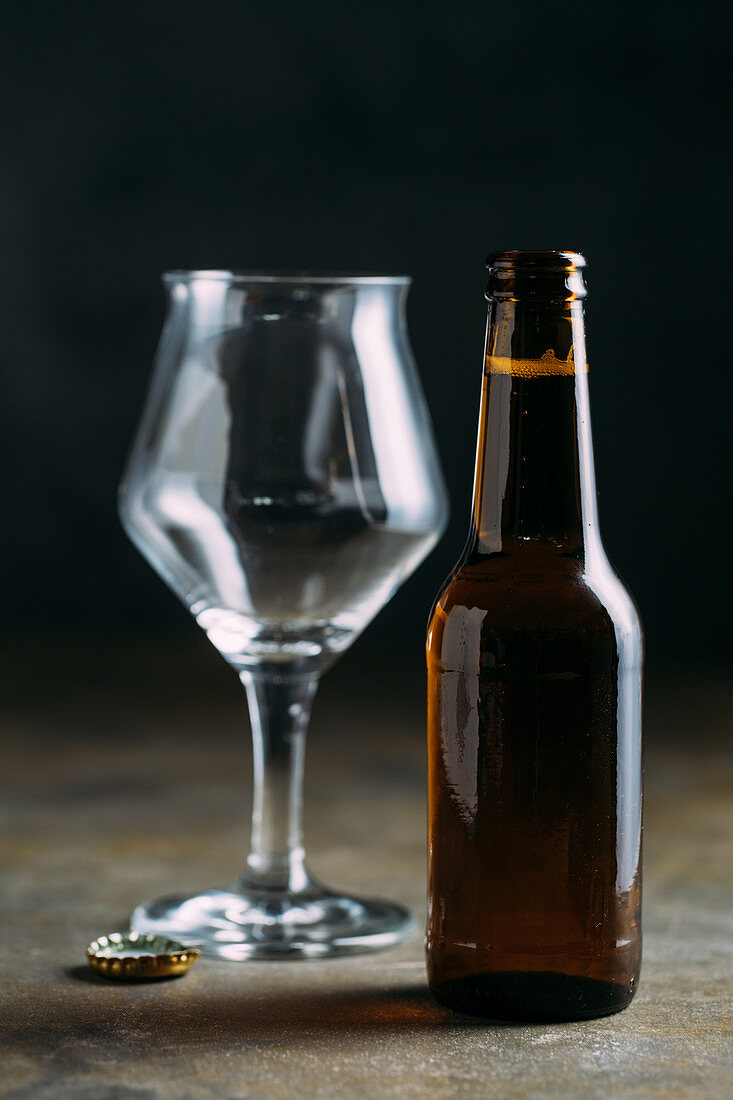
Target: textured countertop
[126, 775]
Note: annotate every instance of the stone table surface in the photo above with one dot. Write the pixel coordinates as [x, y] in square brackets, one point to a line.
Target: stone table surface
[126, 776]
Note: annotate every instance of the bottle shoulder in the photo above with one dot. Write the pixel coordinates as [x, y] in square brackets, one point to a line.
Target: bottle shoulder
[535, 593]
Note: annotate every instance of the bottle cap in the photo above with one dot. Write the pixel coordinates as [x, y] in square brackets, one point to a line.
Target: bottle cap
[132, 956]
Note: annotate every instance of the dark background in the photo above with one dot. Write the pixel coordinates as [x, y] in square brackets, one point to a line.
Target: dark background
[403, 136]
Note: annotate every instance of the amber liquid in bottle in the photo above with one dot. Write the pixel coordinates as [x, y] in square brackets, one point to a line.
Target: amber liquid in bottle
[534, 680]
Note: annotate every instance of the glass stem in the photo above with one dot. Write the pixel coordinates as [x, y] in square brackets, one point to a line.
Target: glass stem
[279, 708]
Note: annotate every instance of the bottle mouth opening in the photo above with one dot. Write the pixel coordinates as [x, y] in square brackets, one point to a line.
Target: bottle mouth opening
[535, 261]
[552, 276]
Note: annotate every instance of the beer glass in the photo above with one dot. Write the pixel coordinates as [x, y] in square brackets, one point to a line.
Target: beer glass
[283, 482]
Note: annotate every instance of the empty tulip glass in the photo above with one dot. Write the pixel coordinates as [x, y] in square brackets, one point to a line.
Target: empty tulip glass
[283, 482]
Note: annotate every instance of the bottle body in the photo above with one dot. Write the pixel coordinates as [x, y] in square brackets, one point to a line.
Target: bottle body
[534, 709]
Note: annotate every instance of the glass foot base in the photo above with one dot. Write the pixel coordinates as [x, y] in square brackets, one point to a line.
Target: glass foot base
[241, 923]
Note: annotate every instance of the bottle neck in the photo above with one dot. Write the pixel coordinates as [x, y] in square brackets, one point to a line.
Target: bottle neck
[534, 486]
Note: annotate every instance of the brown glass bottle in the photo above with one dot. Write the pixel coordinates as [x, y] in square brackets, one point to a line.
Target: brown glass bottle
[534, 692]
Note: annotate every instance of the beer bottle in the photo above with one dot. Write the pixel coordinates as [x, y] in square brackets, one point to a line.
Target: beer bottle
[534, 709]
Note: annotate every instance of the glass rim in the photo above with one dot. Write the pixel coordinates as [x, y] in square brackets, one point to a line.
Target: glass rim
[286, 278]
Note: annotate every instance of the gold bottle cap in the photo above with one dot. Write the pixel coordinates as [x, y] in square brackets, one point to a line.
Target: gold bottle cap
[131, 956]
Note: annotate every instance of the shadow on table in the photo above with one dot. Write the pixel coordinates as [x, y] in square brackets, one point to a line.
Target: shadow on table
[137, 1018]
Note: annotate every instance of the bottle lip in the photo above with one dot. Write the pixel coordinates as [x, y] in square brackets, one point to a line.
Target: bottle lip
[540, 273]
[541, 259]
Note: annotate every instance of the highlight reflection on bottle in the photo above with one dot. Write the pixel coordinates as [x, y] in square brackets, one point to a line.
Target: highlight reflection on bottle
[534, 680]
